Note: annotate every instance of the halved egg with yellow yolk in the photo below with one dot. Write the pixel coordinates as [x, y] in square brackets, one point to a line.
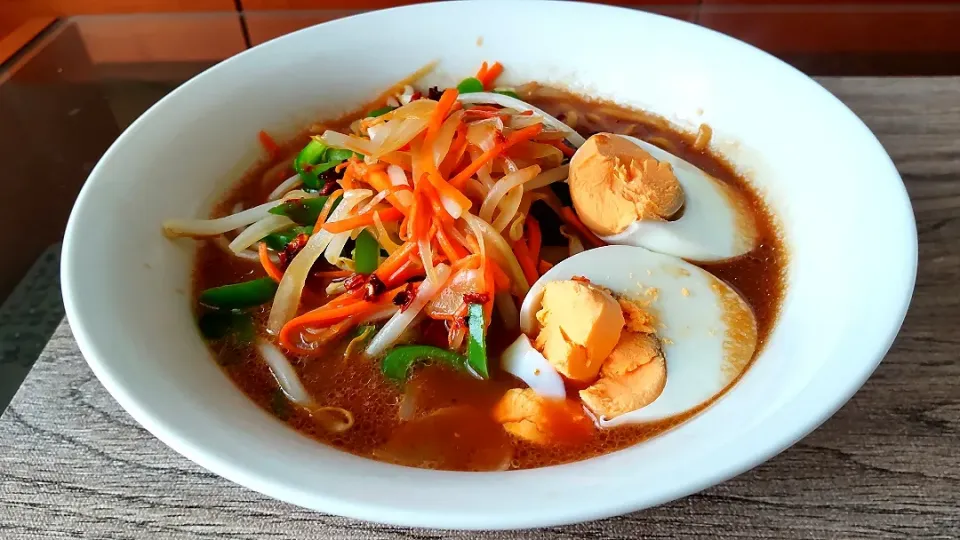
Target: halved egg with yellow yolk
[630, 192]
[684, 322]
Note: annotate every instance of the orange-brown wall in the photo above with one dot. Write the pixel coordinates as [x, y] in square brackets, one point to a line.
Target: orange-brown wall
[780, 26]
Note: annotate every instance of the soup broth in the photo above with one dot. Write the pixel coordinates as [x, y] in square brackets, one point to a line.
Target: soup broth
[383, 410]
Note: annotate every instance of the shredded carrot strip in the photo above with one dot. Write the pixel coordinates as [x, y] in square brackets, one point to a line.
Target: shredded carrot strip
[527, 263]
[444, 106]
[327, 315]
[327, 207]
[410, 269]
[448, 248]
[271, 269]
[332, 274]
[482, 72]
[490, 75]
[470, 261]
[349, 177]
[570, 218]
[420, 219]
[398, 158]
[393, 263]
[339, 168]
[270, 145]
[457, 147]
[386, 215]
[544, 266]
[500, 277]
[456, 240]
[435, 204]
[534, 237]
[378, 179]
[562, 146]
[516, 137]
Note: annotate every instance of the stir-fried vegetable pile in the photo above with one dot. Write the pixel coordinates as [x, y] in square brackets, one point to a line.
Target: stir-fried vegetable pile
[420, 212]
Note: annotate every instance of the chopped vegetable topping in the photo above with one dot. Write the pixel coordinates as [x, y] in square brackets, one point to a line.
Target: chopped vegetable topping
[240, 295]
[399, 361]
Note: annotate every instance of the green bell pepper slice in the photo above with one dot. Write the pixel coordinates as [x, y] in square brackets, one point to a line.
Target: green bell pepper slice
[366, 253]
[220, 324]
[470, 85]
[507, 92]
[380, 112]
[396, 365]
[303, 211]
[240, 295]
[304, 163]
[477, 341]
[279, 240]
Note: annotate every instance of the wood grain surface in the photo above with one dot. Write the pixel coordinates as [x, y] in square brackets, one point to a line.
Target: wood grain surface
[887, 465]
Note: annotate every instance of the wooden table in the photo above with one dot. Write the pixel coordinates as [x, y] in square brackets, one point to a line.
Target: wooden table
[74, 465]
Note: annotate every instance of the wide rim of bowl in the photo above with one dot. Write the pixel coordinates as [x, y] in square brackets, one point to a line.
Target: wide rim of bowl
[780, 436]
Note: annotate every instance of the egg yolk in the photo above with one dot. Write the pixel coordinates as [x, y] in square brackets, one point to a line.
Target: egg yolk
[614, 183]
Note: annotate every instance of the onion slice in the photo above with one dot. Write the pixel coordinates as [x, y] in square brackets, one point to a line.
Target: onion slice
[514, 103]
[398, 324]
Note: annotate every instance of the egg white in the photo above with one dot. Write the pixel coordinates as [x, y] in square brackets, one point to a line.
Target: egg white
[708, 331]
[715, 225]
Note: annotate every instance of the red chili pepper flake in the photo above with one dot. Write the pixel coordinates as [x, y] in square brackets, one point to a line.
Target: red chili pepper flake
[476, 298]
[434, 93]
[581, 279]
[373, 288]
[354, 282]
[291, 250]
[328, 188]
[405, 297]
[416, 95]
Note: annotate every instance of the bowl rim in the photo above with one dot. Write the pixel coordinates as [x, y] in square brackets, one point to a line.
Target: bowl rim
[771, 445]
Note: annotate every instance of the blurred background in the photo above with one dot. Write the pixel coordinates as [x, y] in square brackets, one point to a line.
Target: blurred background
[75, 73]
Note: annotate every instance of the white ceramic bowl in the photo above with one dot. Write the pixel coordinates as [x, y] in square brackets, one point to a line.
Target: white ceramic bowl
[846, 219]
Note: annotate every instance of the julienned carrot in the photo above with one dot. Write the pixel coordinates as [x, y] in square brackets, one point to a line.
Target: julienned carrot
[393, 263]
[518, 136]
[327, 315]
[457, 148]
[327, 207]
[444, 189]
[490, 75]
[386, 215]
[452, 251]
[446, 102]
[562, 146]
[500, 277]
[378, 179]
[570, 218]
[534, 237]
[332, 274]
[470, 261]
[410, 269]
[544, 266]
[270, 145]
[482, 71]
[268, 266]
[527, 263]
